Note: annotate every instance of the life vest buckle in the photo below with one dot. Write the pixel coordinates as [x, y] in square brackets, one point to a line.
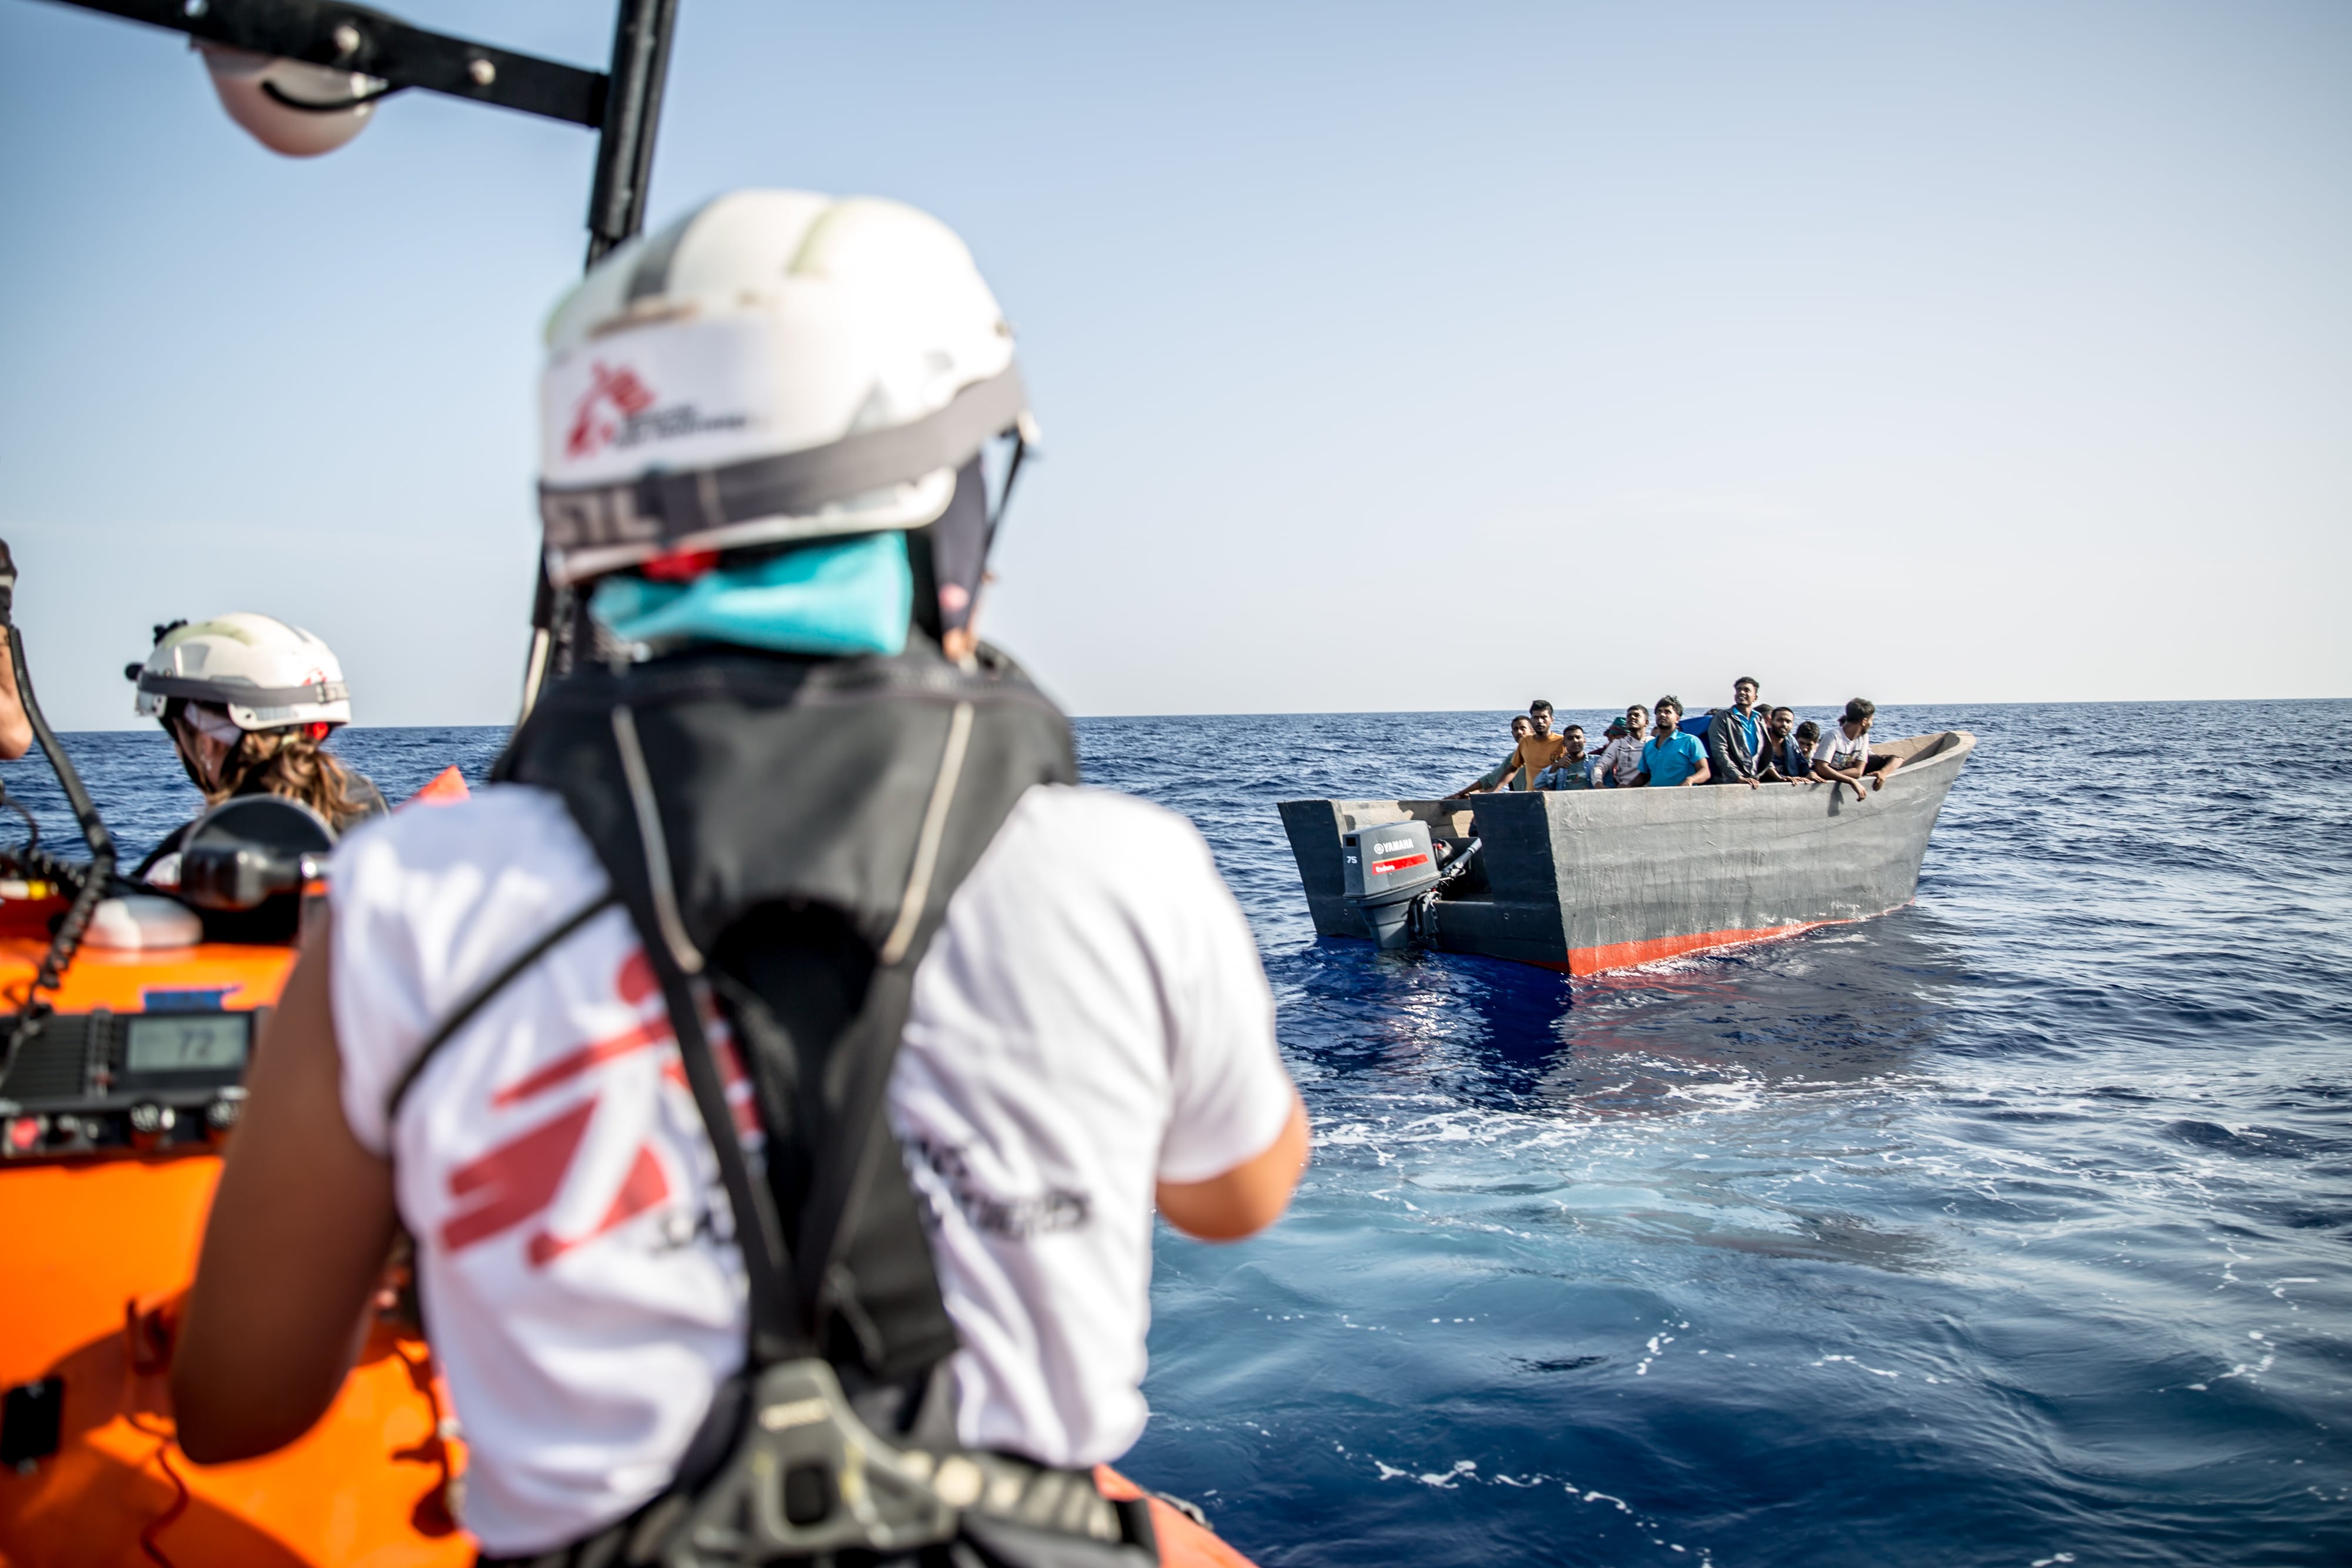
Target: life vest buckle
[807, 1477]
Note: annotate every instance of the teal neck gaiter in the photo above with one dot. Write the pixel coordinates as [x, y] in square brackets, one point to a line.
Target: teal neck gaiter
[839, 597]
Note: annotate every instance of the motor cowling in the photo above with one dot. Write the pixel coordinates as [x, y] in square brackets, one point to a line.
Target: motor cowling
[1386, 868]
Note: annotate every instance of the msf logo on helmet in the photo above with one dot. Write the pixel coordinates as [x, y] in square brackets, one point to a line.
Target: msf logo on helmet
[617, 410]
[620, 392]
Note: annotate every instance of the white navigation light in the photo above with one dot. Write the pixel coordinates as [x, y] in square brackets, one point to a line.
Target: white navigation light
[289, 106]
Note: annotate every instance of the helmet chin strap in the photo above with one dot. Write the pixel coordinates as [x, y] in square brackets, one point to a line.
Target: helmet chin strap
[958, 543]
[1011, 471]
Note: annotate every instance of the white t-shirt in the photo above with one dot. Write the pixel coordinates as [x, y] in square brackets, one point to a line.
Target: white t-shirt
[1092, 1017]
[1622, 759]
[1839, 753]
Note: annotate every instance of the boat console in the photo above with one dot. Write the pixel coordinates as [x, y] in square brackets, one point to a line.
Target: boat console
[135, 1082]
[100, 1082]
[142, 1048]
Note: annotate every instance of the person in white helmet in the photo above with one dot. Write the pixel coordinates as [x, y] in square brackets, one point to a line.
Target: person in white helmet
[248, 701]
[799, 860]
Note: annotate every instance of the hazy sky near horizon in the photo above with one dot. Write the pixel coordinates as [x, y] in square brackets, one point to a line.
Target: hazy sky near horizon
[1389, 357]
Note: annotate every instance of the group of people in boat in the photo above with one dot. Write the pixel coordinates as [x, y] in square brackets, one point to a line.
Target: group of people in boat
[701, 1063]
[1745, 743]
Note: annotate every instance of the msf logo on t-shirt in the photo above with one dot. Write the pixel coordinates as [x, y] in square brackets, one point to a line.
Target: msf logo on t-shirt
[530, 1175]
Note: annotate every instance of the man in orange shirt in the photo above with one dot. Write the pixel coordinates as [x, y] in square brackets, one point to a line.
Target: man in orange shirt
[1539, 748]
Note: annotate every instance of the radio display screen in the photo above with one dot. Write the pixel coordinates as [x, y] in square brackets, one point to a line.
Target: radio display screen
[189, 1042]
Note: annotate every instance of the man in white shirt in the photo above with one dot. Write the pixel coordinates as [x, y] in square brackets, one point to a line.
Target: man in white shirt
[1088, 1034]
[1620, 759]
[1842, 755]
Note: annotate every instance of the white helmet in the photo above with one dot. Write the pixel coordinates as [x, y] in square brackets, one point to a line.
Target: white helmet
[775, 365]
[289, 106]
[270, 675]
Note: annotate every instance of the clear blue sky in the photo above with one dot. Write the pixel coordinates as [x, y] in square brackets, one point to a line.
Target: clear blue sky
[1389, 357]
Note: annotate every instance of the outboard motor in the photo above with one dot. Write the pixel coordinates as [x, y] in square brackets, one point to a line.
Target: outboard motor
[1386, 869]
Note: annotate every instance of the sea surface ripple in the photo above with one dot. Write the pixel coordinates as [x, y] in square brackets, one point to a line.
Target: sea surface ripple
[2009, 1228]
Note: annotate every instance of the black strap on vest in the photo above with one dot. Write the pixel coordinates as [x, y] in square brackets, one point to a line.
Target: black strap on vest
[482, 994]
[777, 1331]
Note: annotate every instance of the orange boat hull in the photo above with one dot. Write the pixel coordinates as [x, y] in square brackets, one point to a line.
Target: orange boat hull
[100, 1252]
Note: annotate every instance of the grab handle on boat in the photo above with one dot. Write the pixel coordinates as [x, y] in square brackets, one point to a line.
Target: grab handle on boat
[244, 876]
[1420, 920]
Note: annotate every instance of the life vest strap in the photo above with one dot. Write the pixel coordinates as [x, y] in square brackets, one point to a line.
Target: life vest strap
[481, 995]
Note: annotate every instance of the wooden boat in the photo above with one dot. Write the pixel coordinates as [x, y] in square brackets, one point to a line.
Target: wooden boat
[1590, 880]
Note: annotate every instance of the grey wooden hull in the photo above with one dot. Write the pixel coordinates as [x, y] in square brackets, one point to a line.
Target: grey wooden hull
[1590, 880]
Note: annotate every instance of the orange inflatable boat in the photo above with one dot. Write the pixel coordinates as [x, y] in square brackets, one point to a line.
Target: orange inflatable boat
[111, 1119]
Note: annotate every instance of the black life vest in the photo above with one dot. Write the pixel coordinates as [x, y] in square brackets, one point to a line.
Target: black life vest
[812, 816]
[792, 830]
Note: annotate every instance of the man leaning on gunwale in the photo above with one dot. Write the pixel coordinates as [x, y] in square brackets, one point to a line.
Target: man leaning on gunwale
[1538, 749]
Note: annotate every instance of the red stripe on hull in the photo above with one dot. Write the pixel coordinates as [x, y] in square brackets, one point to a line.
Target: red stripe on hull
[1629, 955]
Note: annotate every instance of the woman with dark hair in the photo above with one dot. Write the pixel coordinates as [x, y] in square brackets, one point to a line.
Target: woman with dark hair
[248, 701]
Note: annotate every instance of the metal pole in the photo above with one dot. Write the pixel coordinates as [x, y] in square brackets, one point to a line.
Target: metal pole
[625, 150]
[617, 211]
[623, 108]
[542, 641]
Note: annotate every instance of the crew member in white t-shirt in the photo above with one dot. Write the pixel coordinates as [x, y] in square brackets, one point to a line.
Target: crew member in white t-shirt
[1842, 755]
[1091, 1038]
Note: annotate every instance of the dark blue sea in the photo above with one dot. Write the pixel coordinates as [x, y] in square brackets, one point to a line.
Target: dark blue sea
[2012, 1229]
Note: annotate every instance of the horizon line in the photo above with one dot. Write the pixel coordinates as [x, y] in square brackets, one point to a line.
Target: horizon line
[138, 727]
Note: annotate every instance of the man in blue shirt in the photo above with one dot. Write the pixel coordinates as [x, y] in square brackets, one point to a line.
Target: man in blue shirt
[1671, 758]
